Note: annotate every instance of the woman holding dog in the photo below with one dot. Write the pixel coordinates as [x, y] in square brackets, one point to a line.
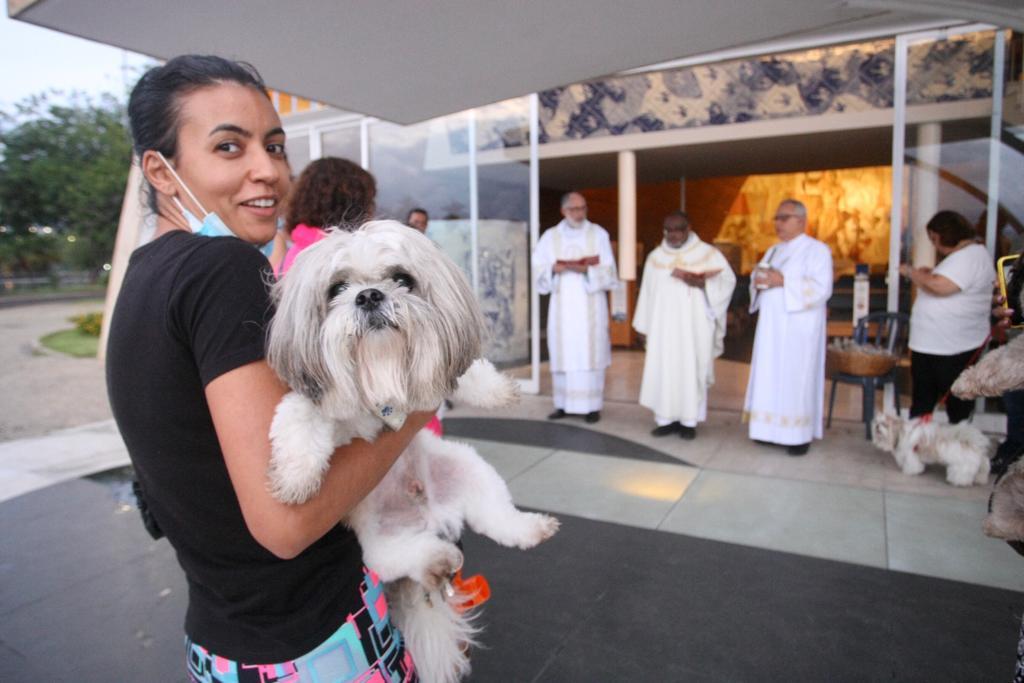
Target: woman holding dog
[270, 584]
[950, 317]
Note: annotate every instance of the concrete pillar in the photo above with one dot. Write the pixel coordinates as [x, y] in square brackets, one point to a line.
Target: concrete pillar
[124, 244]
[627, 215]
[925, 191]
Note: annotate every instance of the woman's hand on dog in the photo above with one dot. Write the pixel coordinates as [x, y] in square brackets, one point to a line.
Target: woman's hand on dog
[1001, 316]
[1001, 312]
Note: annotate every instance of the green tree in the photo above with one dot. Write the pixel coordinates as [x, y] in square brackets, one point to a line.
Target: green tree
[65, 166]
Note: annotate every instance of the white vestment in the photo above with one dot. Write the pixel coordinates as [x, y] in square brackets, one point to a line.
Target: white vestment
[785, 395]
[578, 344]
[684, 327]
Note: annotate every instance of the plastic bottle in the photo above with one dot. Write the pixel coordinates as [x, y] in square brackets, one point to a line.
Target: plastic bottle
[861, 293]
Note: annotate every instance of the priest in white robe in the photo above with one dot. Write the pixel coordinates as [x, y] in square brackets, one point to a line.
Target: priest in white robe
[684, 295]
[573, 262]
[790, 287]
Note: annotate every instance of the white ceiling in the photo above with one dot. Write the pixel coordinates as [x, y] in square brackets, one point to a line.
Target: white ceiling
[410, 60]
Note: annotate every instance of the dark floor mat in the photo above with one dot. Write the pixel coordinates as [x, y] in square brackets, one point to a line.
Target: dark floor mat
[555, 435]
[602, 602]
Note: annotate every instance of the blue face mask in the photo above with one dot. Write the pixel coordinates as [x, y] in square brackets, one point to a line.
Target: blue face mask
[211, 225]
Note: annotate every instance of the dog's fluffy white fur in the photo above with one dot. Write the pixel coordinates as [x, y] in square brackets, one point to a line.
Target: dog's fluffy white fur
[963, 449]
[1005, 518]
[371, 325]
[996, 373]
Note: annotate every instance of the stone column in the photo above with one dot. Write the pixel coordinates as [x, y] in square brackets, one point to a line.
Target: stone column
[627, 215]
[925, 191]
[128, 231]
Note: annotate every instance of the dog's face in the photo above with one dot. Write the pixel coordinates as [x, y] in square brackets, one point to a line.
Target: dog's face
[378, 314]
[885, 431]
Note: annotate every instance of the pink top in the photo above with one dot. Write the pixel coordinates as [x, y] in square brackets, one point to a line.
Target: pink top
[435, 426]
[302, 236]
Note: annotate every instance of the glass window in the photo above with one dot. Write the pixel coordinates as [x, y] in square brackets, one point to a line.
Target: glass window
[423, 165]
[342, 142]
[503, 231]
[297, 147]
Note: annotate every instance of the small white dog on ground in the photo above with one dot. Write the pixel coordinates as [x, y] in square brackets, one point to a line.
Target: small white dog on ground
[963, 449]
[371, 325]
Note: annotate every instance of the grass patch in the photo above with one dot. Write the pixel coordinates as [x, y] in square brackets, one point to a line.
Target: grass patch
[14, 293]
[73, 343]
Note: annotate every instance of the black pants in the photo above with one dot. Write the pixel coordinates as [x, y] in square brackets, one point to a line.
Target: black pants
[932, 377]
[1013, 445]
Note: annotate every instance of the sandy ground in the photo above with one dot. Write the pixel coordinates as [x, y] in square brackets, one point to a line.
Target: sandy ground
[44, 390]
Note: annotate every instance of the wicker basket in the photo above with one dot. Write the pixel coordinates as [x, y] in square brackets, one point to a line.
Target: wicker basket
[852, 362]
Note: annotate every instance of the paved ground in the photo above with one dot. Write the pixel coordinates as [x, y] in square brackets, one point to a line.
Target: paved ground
[44, 390]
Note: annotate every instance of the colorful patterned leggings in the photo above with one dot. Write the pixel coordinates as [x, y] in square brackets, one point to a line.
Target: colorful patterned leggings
[366, 649]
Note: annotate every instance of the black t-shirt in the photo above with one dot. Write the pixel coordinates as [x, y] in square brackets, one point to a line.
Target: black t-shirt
[192, 308]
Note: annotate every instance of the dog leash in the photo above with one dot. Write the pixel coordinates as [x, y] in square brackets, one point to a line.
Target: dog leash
[927, 417]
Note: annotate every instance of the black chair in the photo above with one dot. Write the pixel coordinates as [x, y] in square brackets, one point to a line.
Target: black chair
[887, 331]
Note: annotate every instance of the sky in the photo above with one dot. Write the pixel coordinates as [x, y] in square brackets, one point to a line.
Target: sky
[34, 60]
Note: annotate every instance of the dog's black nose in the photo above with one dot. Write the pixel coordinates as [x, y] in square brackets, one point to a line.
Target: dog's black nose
[369, 299]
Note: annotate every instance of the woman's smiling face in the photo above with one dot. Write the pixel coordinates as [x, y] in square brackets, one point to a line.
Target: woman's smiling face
[231, 155]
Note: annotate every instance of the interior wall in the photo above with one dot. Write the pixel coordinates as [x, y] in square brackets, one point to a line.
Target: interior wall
[550, 208]
[654, 202]
[847, 209]
[708, 201]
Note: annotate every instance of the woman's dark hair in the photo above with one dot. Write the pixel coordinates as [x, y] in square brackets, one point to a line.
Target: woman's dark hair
[331, 191]
[155, 102]
[951, 228]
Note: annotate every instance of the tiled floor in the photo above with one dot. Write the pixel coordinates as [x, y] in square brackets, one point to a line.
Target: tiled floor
[622, 384]
[924, 533]
[819, 520]
[603, 487]
[845, 500]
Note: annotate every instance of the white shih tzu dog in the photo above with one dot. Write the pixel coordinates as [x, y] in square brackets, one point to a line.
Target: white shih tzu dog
[963, 449]
[371, 325]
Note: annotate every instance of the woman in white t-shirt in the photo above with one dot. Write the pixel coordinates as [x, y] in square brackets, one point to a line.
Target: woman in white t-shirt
[950, 316]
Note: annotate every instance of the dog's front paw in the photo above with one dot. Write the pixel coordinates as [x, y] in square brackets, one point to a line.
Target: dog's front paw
[913, 467]
[291, 486]
[484, 386]
[302, 441]
[507, 393]
[993, 528]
